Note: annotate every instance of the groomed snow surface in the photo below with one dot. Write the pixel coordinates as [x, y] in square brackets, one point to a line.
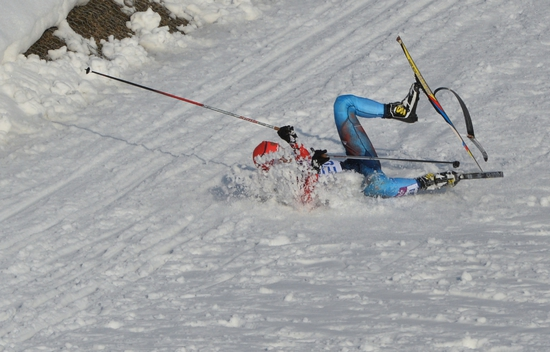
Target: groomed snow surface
[130, 221]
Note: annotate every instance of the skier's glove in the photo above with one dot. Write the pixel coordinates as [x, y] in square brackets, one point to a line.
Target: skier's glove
[287, 134]
[319, 158]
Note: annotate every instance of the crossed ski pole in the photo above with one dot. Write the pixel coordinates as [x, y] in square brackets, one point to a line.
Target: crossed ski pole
[455, 163]
[334, 156]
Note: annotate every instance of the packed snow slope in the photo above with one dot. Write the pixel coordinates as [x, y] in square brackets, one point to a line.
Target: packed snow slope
[134, 222]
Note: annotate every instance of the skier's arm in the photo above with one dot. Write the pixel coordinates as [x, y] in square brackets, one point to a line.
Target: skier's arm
[319, 156]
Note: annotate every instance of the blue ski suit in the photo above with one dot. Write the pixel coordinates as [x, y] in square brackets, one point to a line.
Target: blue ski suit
[356, 142]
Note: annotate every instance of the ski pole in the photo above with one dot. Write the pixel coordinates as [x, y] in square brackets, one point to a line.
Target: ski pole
[455, 163]
[88, 70]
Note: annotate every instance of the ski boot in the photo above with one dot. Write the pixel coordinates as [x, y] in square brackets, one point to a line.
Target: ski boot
[406, 109]
[436, 181]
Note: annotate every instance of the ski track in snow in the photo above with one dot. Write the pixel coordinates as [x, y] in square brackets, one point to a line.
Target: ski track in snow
[116, 235]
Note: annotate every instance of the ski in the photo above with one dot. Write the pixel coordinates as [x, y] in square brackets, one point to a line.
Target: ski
[480, 175]
[433, 100]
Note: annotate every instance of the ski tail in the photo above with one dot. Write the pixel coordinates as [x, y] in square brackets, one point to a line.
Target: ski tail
[480, 175]
[416, 71]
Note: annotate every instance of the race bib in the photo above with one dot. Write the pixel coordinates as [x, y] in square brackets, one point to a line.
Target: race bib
[404, 191]
[331, 167]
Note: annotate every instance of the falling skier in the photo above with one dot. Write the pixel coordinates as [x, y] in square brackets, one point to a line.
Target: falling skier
[356, 142]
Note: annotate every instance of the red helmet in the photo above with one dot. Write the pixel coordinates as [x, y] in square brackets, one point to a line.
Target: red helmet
[260, 152]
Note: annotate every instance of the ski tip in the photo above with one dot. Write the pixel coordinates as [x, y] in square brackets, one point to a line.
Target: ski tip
[88, 70]
[398, 39]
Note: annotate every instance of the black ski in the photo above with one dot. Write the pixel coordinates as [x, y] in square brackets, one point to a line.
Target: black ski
[480, 175]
